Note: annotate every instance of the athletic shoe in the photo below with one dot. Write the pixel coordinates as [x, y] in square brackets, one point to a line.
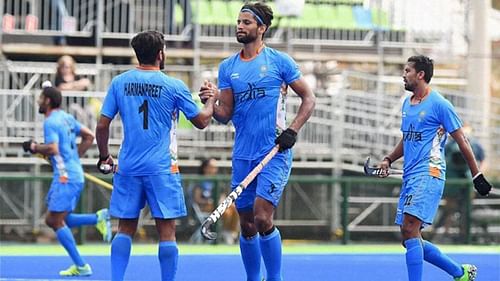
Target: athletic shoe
[103, 224]
[470, 272]
[77, 271]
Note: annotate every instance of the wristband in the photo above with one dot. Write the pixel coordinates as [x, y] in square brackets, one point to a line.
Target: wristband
[477, 175]
[103, 158]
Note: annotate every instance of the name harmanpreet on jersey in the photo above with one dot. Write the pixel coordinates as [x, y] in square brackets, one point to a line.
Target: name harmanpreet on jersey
[62, 128]
[259, 106]
[425, 127]
[148, 102]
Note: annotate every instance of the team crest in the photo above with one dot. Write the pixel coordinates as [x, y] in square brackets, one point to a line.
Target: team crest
[421, 116]
[263, 71]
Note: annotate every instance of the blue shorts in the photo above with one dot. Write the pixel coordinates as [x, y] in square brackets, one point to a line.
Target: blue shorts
[419, 197]
[63, 197]
[269, 184]
[162, 192]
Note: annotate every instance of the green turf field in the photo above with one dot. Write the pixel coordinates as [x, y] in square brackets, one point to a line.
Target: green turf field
[7, 249]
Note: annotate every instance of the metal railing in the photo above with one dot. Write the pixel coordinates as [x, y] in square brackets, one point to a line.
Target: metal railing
[347, 125]
[179, 20]
[49, 17]
[20, 121]
[307, 206]
[30, 75]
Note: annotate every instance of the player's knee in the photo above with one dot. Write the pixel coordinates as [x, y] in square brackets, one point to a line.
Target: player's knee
[129, 226]
[405, 232]
[53, 222]
[408, 232]
[262, 222]
[248, 229]
[130, 231]
[49, 222]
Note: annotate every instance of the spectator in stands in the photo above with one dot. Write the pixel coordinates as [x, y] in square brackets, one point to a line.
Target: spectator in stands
[203, 196]
[427, 118]
[149, 103]
[60, 132]
[66, 77]
[68, 80]
[455, 196]
[250, 95]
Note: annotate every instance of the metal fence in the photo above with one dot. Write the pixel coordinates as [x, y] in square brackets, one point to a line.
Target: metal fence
[366, 209]
[30, 74]
[120, 18]
[359, 119]
[183, 20]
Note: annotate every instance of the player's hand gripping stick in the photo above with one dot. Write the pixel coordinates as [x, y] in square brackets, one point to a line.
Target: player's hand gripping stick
[106, 164]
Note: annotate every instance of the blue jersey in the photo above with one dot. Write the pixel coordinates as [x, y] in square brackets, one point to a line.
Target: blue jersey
[148, 102]
[425, 127]
[259, 106]
[61, 128]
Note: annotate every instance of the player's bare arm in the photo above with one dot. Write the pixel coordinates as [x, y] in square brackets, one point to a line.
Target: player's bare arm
[288, 137]
[482, 185]
[223, 108]
[45, 149]
[306, 108]
[202, 120]
[102, 135]
[396, 153]
[466, 149]
[105, 163]
[87, 140]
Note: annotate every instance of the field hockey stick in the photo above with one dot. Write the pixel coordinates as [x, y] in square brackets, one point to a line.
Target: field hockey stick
[217, 213]
[88, 176]
[98, 181]
[375, 172]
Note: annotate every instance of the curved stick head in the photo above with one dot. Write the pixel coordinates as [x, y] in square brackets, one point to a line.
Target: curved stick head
[205, 230]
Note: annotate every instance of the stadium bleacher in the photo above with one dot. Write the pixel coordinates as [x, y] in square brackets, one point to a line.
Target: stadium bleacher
[358, 97]
[121, 19]
[348, 27]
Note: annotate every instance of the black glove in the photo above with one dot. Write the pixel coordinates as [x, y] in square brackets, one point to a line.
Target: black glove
[27, 146]
[286, 140]
[105, 164]
[482, 186]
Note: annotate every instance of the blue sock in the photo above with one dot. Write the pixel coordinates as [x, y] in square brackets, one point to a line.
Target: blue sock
[434, 256]
[414, 259]
[270, 245]
[67, 240]
[250, 253]
[120, 254]
[168, 254]
[74, 220]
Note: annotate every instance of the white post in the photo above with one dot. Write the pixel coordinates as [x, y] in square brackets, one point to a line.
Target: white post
[479, 66]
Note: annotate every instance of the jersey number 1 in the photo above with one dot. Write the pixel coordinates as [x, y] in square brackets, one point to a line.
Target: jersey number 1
[144, 108]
